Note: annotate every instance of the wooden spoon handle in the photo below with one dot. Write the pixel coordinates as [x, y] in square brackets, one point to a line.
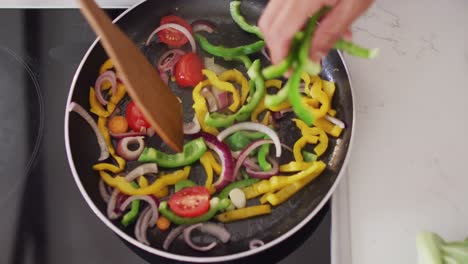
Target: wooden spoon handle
[157, 102]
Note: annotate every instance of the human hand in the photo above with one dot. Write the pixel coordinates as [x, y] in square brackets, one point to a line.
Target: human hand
[283, 18]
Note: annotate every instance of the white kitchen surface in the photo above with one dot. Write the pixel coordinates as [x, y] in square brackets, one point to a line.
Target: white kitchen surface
[406, 173]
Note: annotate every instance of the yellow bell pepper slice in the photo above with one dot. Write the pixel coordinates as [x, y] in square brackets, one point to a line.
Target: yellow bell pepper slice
[96, 107]
[306, 78]
[206, 163]
[107, 65]
[317, 93]
[300, 144]
[224, 86]
[328, 127]
[310, 131]
[286, 192]
[266, 118]
[125, 187]
[237, 77]
[244, 213]
[277, 182]
[200, 107]
[116, 98]
[213, 162]
[263, 199]
[329, 88]
[295, 166]
[142, 182]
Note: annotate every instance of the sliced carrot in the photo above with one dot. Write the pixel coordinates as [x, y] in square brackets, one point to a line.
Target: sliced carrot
[118, 124]
[162, 223]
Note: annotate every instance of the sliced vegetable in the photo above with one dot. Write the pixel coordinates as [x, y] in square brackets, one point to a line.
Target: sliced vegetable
[237, 77]
[237, 198]
[118, 124]
[240, 20]
[200, 107]
[173, 235]
[143, 169]
[135, 118]
[356, 50]
[75, 107]
[229, 53]
[163, 224]
[255, 243]
[188, 70]
[236, 185]
[206, 163]
[192, 152]
[224, 86]
[190, 243]
[238, 141]
[125, 187]
[192, 127]
[96, 106]
[124, 147]
[131, 216]
[183, 184]
[244, 213]
[108, 76]
[265, 174]
[253, 127]
[171, 216]
[203, 25]
[190, 202]
[227, 162]
[150, 200]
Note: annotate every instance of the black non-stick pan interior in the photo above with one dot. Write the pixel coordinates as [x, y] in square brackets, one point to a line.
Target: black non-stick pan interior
[138, 24]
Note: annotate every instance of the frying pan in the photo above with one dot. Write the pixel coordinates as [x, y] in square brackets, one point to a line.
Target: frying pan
[285, 220]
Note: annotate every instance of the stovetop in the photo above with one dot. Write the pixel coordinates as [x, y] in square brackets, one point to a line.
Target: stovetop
[44, 218]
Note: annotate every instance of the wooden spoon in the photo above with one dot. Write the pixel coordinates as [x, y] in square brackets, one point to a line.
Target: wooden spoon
[156, 101]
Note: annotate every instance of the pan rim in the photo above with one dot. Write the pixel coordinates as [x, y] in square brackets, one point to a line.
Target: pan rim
[177, 257]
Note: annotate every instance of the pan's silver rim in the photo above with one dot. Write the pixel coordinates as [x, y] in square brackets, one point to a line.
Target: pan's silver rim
[169, 255]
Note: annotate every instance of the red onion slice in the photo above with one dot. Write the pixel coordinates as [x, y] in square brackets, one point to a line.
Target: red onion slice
[193, 127]
[173, 235]
[103, 191]
[188, 239]
[125, 152]
[169, 59]
[111, 205]
[141, 170]
[75, 107]
[142, 225]
[164, 77]
[255, 127]
[265, 174]
[250, 163]
[203, 25]
[149, 200]
[215, 230]
[335, 121]
[222, 98]
[210, 100]
[256, 243]
[245, 153]
[127, 134]
[225, 156]
[105, 76]
[176, 27]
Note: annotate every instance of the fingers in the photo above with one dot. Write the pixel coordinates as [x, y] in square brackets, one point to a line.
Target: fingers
[336, 24]
[281, 20]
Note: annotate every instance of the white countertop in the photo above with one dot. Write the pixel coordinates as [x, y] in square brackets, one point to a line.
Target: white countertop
[406, 173]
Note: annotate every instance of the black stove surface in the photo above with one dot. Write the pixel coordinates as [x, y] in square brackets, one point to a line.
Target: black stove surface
[44, 219]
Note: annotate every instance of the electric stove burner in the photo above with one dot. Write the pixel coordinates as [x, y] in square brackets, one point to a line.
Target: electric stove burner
[22, 121]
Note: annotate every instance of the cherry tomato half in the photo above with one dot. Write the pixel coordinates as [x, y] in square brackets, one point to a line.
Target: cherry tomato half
[136, 120]
[188, 70]
[173, 37]
[190, 202]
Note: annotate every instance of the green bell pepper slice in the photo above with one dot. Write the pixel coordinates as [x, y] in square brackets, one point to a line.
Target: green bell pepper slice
[224, 52]
[183, 184]
[236, 15]
[192, 152]
[179, 220]
[131, 215]
[238, 184]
